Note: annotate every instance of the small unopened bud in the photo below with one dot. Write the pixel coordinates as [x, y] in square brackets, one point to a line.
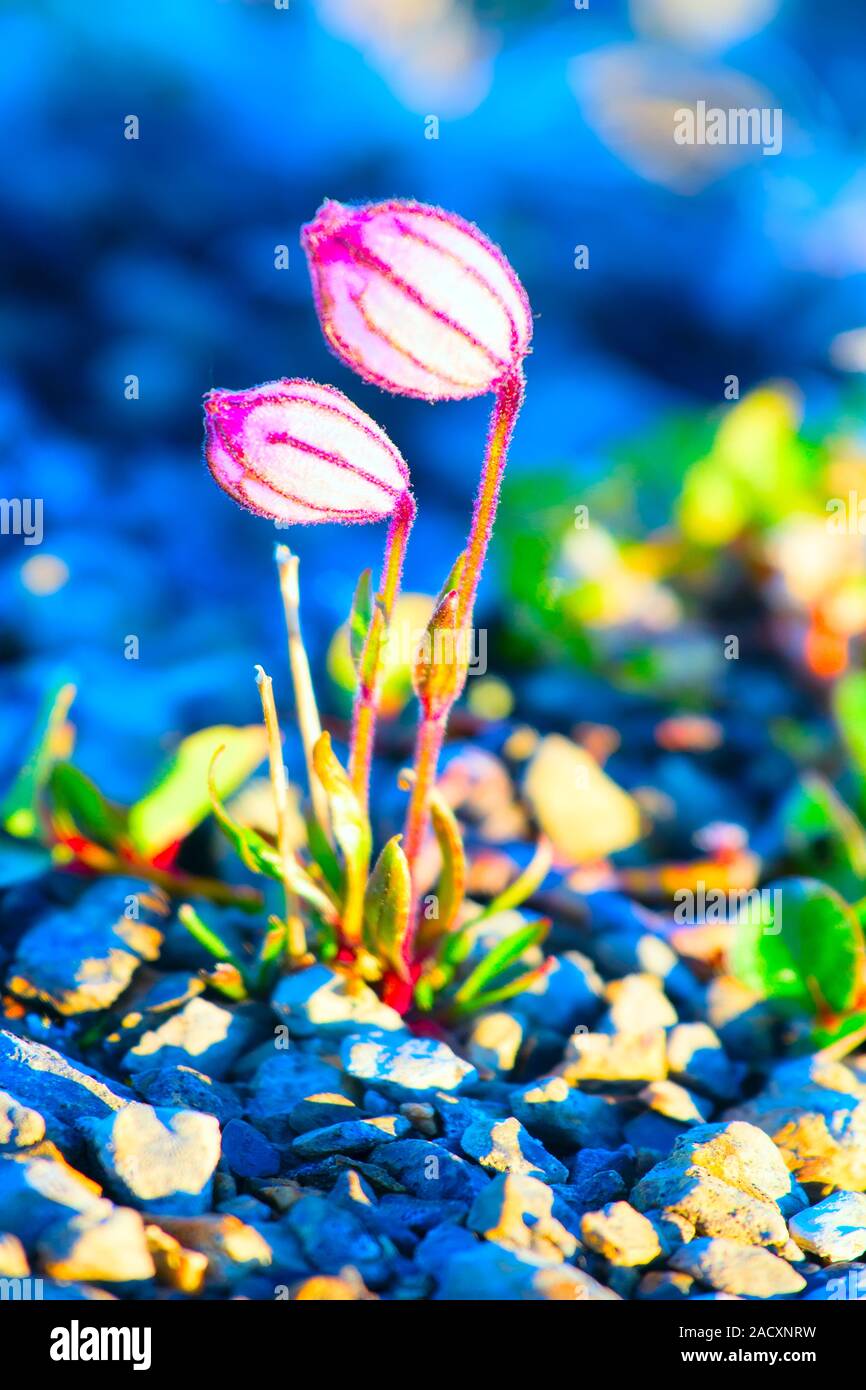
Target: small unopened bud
[442, 659]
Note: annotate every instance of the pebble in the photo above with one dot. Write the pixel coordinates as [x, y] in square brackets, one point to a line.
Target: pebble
[283, 1081]
[493, 1042]
[247, 1153]
[697, 1059]
[231, 1247]
[41, 1077]
[318, 1000]
[615, 1057]
[321, 1111]
[714, 1207]
[203, 1035]
[405, 1068]
[104, 1244]
[564, 1118]
[13, 1258]
[517, 1211]
[568, 994]
[739, 1154]
[834, 1229]
[730, 1267]
[157, 1159]
[35, 1192]
[332, 1237]
[504, 1146]
[492, 1273]
[427, 1170]
[184, 1088]
[621, 1234]
[20, 1127]
[354, 1138]
[82, 959]
[637, 1004]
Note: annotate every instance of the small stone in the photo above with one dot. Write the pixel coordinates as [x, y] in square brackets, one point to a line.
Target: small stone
[600, 1176]
[247, 1153]
[664, 1284]
[203, 1035]
[332, 1237]
[565, 1118]
[40, 1077]
[744, 1021]
[739, 1154]
[180, 1269]
[232, 1247]
[281, 1082]
[354, 1138]
[157, 1160]
[517, 1212]
[616, 1057]
[421, 1116]
[35, 1192]
[673, 1101]
[404, 1068]
[714, 1207]
[835, 1229]
[322, 1111]
[494, 1041]
[637, 1004]
[332, 1288]
[493, 1273]
[730, 1267]
[183, 1088]
[429, 1171]
[102, 1245]
[13, 1260]
[621, 1234]
[82, 959]
[504, 1146]
[697, 1059]
[568, 994]
[319, 1000]
[20, 1127]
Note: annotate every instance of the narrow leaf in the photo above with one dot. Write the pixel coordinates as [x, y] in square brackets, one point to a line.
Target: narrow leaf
[361, 616]
[203, 934]
[179, 800]
[19, 810]
[76, 799]
[351, 831]
[488, 998]
[524, 885]
[503, 954]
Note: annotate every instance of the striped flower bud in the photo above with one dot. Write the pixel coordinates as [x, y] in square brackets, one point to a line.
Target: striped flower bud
[416, 299]
[297, 452]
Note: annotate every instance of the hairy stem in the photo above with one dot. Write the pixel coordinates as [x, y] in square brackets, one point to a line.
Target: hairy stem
[297, 943]
[305, 699]
[366, 706]
[431, 733]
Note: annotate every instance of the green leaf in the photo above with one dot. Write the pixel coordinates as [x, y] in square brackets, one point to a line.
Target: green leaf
[179, 800]
[524, 885]
[503, 954]
[823, 836]
[228, 980]
[800, 945]
[360, 617]
[204, 935]
[19, 810]
[386, 906]
[262, 858]
[488, 998]
[270, 953]
[75, 797]
[323, 854]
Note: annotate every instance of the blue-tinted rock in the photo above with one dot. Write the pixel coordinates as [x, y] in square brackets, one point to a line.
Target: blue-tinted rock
[518, 1211]
[40, 1077]
[321, 1111]
[318, 1000]
[332, 1237]
[568, 994]
[187, 1089]
[355, 1137]
[156, 1159]
[82, 959]
[697, 1059]
[281, 1082]
[36, 1192]
[490, 1273]
[564, 1118]
[203, 1035]
[403, 1068]
[104, 1244]
[834, 1229]
[430, 1171]
[247, 1153]
[504, 1146]
[20, 1127]
[438, 1248]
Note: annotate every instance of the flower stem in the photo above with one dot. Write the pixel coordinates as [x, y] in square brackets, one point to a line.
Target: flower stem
[366, 706]
[305, 699]
[297, 942]
[431, 733]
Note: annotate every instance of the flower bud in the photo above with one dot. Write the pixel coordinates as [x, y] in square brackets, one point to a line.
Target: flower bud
[442, 660]
[416, 299]
[297, 452]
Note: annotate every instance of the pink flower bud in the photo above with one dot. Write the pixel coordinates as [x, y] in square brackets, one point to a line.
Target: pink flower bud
[416, 299]
[298, 452]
